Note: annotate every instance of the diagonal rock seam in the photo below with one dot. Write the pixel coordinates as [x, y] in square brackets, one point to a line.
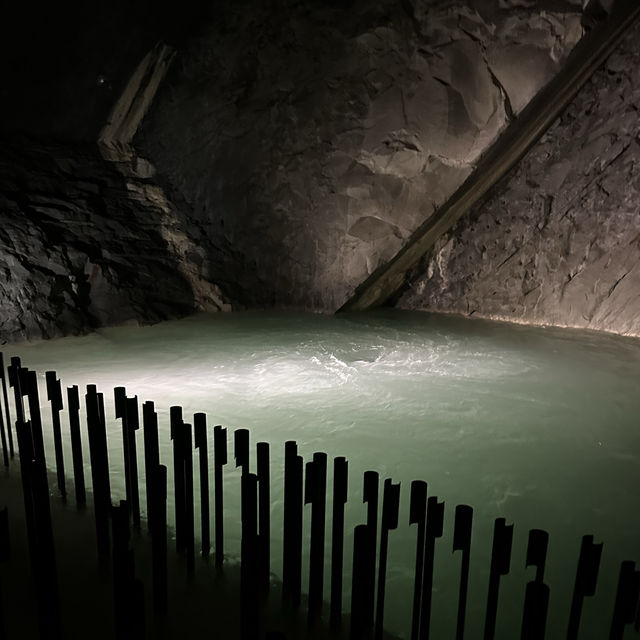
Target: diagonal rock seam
[390, 278]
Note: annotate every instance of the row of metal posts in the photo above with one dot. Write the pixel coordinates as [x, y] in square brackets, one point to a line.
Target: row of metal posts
[302, 485]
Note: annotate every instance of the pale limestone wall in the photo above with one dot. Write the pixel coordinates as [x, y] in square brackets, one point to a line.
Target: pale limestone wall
[558, 242]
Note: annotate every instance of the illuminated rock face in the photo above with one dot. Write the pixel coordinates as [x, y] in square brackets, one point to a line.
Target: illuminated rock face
[81, 246]
[314, 140]
[559, 240]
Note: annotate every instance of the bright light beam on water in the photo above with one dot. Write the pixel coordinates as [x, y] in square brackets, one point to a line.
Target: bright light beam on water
[537, 425]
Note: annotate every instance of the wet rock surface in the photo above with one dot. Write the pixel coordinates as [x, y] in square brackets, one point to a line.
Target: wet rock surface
[84, 246]
[313, 138]
[558, 242]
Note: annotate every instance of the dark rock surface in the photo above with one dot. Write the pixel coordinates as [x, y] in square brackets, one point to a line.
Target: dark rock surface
[82, 246]
[558, 242]
[313, 137]
[63, 64]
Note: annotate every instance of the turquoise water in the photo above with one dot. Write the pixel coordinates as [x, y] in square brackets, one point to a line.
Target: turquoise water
[540, 426]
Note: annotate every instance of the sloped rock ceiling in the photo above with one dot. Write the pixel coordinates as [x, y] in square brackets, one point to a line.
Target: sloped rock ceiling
[313, 138]
[559, 241]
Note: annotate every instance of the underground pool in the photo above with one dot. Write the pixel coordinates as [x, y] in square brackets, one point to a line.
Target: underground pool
[536, 425]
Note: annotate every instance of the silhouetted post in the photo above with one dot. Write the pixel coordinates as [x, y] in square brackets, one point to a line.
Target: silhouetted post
[627, 596]
[54, 395]
[364, 563]
[16, 379]
[188, 498]
[73, 403]
[158, 512]
[435, 526]
[25, 447]
[292, 531]
[241, 449]
[128, 592]
[127, 409]
[219, 459]
[370, 497]
[264, 511]
[133, 424]
[200, 441]
[586, 580]
[361, 623]
[183, 469]
[418, 515]
[340, 481]
[44, 567]
[175, 414]
[151, 454]
[42, 512]
[536, 602]
[315, 494]
[34, 416]
[462, 542]
[500, 563]
[99, 468]
[5, 397]
[249, 604]
[390, 511]
[121, 568]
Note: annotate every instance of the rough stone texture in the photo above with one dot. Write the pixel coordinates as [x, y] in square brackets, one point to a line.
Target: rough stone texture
[313, 138]
[82, 246]
[558, 242]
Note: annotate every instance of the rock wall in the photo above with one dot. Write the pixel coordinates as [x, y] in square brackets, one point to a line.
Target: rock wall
[558, 242]
[313, 138]
[82, 246]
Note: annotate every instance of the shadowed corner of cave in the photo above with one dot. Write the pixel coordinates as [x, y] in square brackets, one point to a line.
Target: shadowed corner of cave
[159, 160]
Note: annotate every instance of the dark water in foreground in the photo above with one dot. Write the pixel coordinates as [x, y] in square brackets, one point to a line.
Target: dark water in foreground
[540, 426]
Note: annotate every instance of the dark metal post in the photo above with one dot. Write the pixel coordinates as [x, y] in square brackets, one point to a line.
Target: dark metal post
[586, 580]
[99, 468]
[249, 604]
[370, 497]
[219, 460]
[292, 532]
[200, 441]
[241, 449]
[418, 515]
[73, 402]
[178, 476]
[462, 542]
[340, 480]
[536, 602]
[188, 498]
[264, 510]
[500, 563]
[158, 511]
[390, 512]
[151, 455]
[435, 525]
[54, 395]
[627, 595]
[131, 420]
[316, 494]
